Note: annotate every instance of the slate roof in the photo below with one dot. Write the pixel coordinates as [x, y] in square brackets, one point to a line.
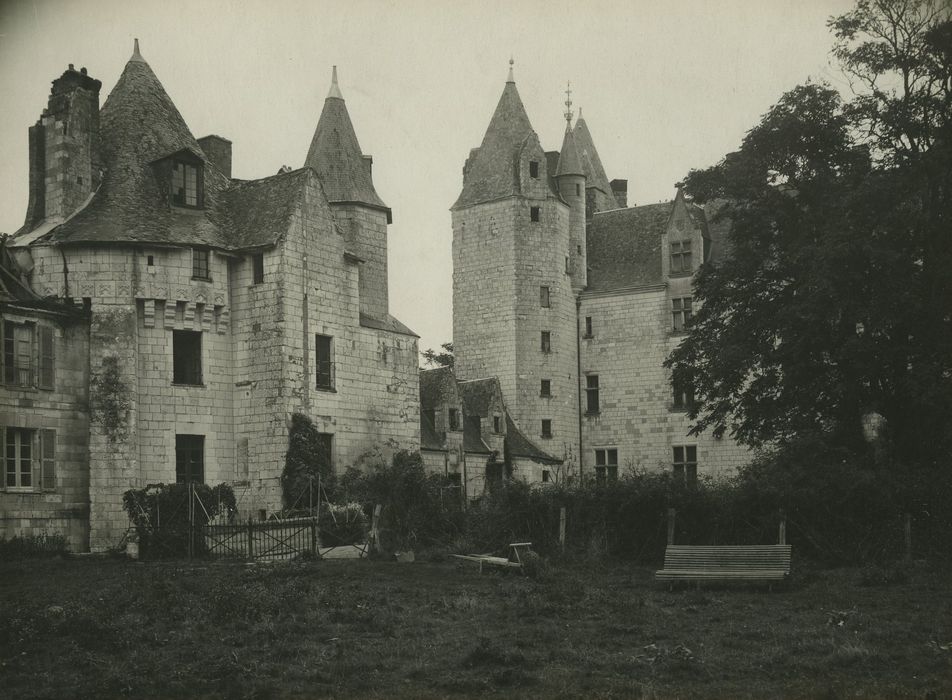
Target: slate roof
[434, 384]
[472, 439]
[592, 165]
[386, 324]
[139, 125]
[477, 395]
[430, 439]
[336, 156]
[259, 212]
[569, 161]
[490, 172]
[522, 446]
[624, 247]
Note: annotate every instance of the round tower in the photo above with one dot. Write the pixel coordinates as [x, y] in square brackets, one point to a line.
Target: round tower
[571, 183]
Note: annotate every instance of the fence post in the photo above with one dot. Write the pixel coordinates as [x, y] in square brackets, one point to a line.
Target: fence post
[314, 537]
[783, 526]
[672, 514]
[907, 537]
[562, 529]
[191, 519]
[251, 538]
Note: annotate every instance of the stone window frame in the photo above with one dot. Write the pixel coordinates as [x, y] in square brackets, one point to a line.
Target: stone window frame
[588, 328]
[545, 389]
[682, 395]
[257, 268]
[497, 424]
[535, 214]
[41, 459]
[681, 258]
[189, 458]
[179, 189]
[545, 296]
[452, 419]
[534, 169]
[684, 463]
[606, 465]
[592, 403]
[546, 428]
[33, 366]
[324, 364]
[187, 357]
[682, 309]
[201, 264]
[545, 342]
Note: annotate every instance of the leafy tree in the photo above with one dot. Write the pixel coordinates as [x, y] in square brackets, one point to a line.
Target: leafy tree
[835, 300]
[446, 358]
[306, 458]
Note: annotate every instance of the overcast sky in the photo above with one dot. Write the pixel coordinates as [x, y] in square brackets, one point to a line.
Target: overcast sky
[665, 87]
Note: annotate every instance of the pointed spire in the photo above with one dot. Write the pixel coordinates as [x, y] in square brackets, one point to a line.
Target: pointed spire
[569, 161]
[511, 78]
[136, 56]
[336, 157]
[335, 89]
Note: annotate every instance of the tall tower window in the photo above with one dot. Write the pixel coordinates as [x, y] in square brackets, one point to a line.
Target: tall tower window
[546, 344]
[535, 213]
[534, 169]
[588, 327]
[187, 357]
[189, 459]
[578, 190]
[591, 394]
[257, 268]
[544, 297]
[324, 361]
[545, 391]
[680, 313]
[684, 465]
[546, 427]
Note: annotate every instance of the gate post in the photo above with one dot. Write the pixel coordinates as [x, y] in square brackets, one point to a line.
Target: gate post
[251, 538]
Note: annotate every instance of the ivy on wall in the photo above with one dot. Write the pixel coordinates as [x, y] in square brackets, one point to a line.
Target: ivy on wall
[110, 400]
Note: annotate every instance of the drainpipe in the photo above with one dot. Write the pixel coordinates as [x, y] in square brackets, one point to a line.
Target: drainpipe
[578, 378]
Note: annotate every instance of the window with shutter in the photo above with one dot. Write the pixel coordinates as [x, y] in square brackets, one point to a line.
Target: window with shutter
[48, 459]
[46, 373]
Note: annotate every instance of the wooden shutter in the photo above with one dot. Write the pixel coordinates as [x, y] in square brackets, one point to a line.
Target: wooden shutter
[48, 459]
[46, 373]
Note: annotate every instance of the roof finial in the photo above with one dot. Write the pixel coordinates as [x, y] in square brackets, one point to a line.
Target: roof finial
[511, 78]
[136, 56]
[580, 113]
[568, 102]
[335, 90]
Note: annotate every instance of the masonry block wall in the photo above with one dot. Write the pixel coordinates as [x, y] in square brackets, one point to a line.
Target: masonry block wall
[60, 507]
[365, 234]
[631, 337]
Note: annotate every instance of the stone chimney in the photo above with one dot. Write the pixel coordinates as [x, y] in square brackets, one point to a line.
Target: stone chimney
[65, 165]
[620, 190]
[218, 150]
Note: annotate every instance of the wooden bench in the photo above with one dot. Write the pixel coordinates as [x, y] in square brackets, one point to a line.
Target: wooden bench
[753, 563]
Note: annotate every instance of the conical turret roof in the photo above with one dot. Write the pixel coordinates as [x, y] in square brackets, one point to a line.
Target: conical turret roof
[594, 170]
[569, 161]
[336, 156]
[491, 172]
[140, 125]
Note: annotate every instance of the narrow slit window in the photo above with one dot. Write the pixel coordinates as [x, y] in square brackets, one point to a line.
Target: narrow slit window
[534, 213]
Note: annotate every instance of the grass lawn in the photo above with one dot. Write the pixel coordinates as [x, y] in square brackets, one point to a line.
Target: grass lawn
[91, 628]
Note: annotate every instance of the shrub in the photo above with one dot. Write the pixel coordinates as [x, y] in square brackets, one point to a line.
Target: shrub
[306, 461]
[342, 524]
[160, 514]
[33, 546]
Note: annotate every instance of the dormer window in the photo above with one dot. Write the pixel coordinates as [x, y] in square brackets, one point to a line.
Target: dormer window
[534, 169]
[186, 184]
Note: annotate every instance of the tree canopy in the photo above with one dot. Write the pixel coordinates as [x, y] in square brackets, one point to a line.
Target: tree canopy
[834, 303]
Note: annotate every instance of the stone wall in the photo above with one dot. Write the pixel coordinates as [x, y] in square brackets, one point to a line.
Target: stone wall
[64, 508]
[632, 336]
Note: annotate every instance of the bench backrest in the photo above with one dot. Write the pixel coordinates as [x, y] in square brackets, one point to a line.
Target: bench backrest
[768, 556]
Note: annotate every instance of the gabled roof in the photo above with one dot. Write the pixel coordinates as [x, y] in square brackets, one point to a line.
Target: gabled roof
[490, 172]
[624, 247]
[140, 125]
[336, 156]
[388, 323]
